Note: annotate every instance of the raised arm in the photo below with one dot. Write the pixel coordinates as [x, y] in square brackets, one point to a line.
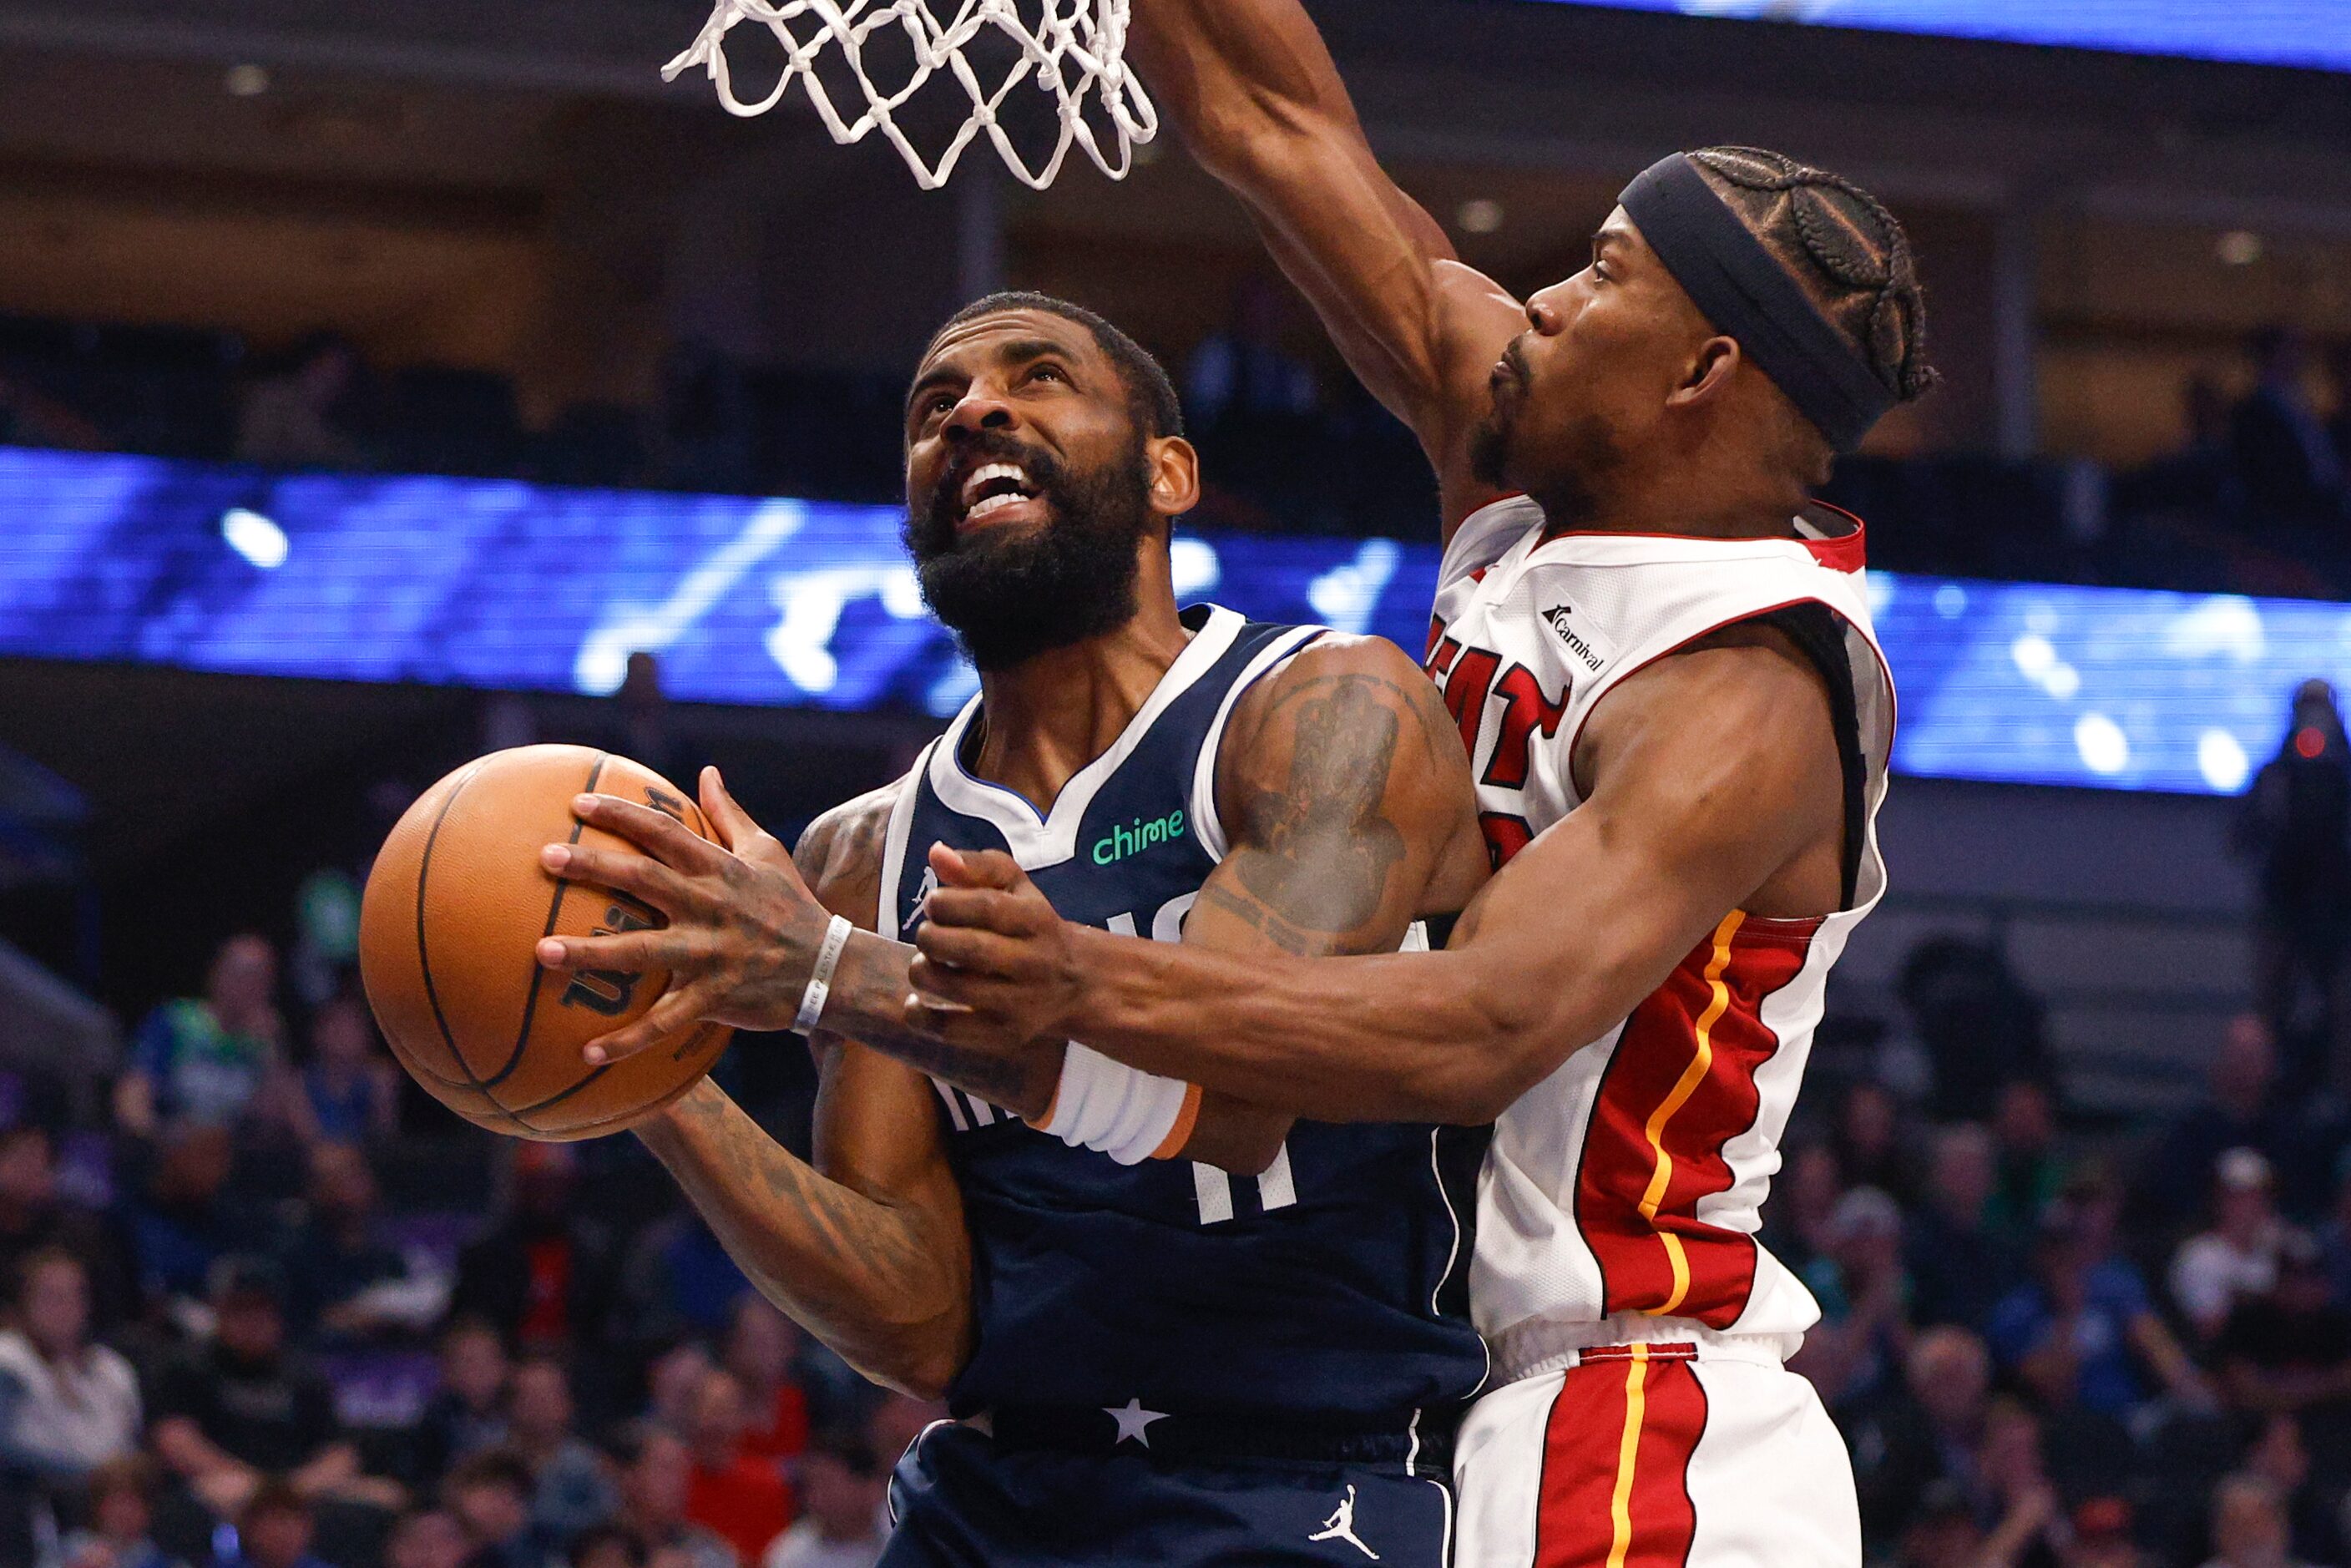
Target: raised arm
[1251, 88]
[866, 1247]
[1715, 788]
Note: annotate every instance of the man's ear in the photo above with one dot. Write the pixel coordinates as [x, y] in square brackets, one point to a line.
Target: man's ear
[1174, 474]
[1708, 373]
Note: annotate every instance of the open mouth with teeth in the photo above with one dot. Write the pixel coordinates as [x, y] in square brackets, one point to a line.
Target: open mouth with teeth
[994, 490]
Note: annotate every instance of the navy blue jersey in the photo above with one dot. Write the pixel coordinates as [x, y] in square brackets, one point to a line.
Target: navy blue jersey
[1330, 1288]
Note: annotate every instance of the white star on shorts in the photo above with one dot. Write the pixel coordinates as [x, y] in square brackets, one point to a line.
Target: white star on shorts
[1131, 1421]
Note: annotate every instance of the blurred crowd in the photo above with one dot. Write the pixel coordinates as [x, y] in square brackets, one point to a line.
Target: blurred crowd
[262, 1315]
[259, 1315]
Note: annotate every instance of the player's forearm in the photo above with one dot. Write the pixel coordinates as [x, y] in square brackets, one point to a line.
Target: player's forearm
[1397, 1037]
[1238, 77]
[868, 1005]
[871, 1279]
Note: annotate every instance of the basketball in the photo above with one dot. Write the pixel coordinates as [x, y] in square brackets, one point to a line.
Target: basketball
[455, 905]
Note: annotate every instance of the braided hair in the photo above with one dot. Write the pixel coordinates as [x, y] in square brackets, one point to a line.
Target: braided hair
[1840, 242]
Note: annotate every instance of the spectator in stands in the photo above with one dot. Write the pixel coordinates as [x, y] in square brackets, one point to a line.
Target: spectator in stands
[544, 1273]
[570, 1491]
[2287, 1351]
[1960, 1265]
[655, 1471]
[34, 1218]
[204, 1059]
[673, 1383]
[2241, 1109]
[1932, 1433]
[189, 1220]
[1245, 371]
[274, 1529]
[1941, 1532]
[66, 1405]
[678, 1281]
[119, 1503]
[2250, 1527]
[605, 1546]
[468, 1413]
[734, 1493]
[1863, 1335]
[841, 1488]
[2102, 1535]
[2025, 1519]
[298, 416]
[242, 1407]
[350, 1089]
[431, 1539]
[2237, 1259]
[1799, 1220]
[2284, 458]
[1981, 1028]
[2080, 1330]
[1870, 1146]
[2030, 1173]
[348, 1282]
[489, 1495]
[2279, 1456]
[2296, 827]
[761, 1347]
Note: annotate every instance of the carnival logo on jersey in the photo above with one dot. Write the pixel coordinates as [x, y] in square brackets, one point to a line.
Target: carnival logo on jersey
[1121, 842]
[1584, 641]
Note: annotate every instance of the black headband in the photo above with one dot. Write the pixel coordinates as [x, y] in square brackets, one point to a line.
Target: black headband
[1747, 294]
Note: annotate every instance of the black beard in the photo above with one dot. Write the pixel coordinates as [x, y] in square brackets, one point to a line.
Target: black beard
[1490, 451]
[1010, 596]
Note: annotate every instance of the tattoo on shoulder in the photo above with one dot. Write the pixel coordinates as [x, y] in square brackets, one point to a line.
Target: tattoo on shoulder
[1319, 851]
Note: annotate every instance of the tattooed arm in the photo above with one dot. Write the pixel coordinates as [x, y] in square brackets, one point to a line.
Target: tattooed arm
[866, 1247]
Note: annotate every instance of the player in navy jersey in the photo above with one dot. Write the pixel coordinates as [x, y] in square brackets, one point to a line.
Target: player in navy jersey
[1177, 1329]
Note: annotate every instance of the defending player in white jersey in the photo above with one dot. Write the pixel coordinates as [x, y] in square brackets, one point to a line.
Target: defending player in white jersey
[1658, 651]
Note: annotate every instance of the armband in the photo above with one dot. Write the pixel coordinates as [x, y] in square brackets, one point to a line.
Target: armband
[1110, 1108]
[820, 986]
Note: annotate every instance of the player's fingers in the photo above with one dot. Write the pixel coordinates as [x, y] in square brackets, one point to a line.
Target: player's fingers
[935, 982]
[629, 953]
[946, 1021]
[726, 815]
[974, 951]
[984, 908]
[657, 832]
[621, 870]
[976, 868]
[678, 1007]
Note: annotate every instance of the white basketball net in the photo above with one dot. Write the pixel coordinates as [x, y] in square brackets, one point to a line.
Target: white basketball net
[1076, 50]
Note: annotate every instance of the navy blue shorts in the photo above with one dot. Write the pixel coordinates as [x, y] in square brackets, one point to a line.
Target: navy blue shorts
[961, 1501]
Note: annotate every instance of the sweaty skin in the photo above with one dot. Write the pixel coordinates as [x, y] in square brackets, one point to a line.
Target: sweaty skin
[1710, 780]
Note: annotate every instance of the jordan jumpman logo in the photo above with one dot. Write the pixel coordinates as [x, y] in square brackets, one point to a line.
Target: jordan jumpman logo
[1341, 1526]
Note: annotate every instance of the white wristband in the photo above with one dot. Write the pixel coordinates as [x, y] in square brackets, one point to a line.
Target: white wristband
[820, 986]
[1112, 1108]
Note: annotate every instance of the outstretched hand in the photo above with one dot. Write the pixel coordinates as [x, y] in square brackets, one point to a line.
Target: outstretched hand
[743, 928]
[997, 969]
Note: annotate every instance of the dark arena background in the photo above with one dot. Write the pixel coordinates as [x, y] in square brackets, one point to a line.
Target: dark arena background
[384, 384]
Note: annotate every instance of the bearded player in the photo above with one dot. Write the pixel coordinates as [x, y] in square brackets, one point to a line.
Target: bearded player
[1178, 1330]
[1658, 653]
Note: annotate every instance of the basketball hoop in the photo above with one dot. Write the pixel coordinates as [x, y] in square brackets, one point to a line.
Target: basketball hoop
[1077, 50]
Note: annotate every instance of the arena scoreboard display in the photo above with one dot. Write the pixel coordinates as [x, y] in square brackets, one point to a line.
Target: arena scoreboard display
[501, 584]
[2312, 33]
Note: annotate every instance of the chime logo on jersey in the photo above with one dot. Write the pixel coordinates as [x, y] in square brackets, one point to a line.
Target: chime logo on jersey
[1583, 641]
[1121, 842]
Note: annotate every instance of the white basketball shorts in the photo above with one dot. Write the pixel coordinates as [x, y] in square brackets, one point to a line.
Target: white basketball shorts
[1705, 1453]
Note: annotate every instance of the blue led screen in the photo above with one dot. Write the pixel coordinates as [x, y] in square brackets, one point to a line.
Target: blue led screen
[502, 584]
[2270, 32]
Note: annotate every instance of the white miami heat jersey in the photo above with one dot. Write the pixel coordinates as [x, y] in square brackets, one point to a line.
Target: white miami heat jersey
[1631, 1180]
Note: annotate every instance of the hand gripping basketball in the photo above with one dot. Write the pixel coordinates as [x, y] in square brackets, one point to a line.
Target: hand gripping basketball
[743, 930]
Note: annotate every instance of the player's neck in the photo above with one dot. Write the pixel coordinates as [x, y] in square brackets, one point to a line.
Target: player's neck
[1685, 501]
[1049, 717]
